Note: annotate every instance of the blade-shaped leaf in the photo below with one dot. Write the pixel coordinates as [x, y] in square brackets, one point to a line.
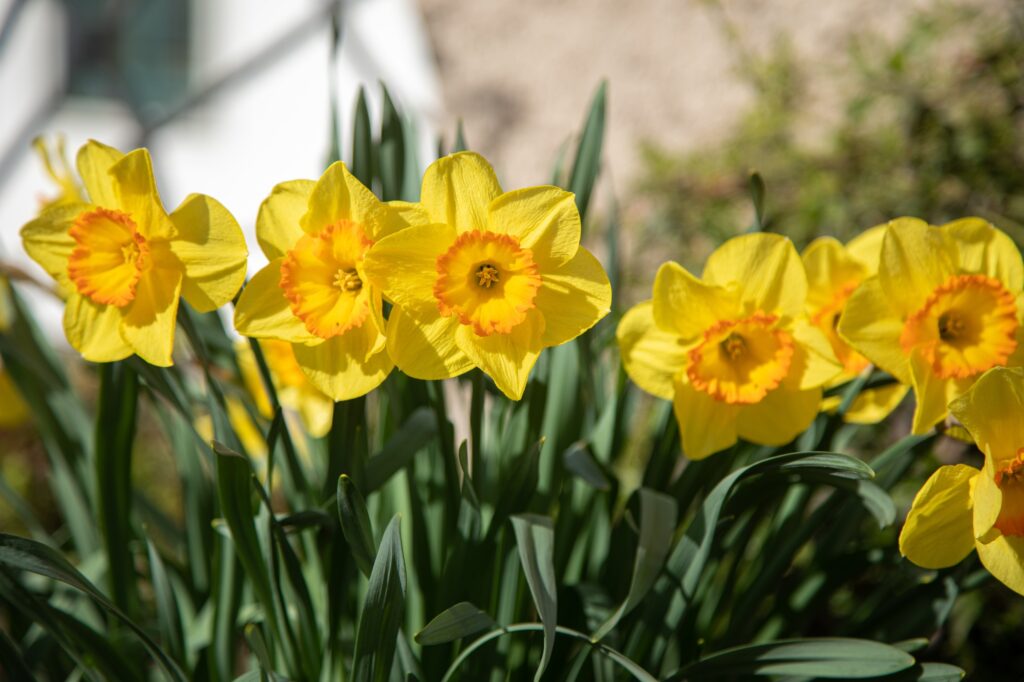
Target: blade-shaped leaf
[588, 153]
[355, 524]
[383, 610]
[418, 431]
[535, 539]
[454, 623]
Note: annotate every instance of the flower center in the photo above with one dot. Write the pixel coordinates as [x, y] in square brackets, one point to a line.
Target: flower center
[488, 280]
[967, 325]
[826, 319]
[1010, 479]
[740, 361]
[109, 256]
[320, 278]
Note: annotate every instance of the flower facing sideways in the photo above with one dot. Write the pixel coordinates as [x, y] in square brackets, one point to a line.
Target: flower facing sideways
[942, 310]
[731, 350]
[961, 508]
[124, 262]
[488, 279]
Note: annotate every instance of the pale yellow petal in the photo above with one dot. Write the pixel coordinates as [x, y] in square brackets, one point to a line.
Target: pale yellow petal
[338, 195]
[829, 269]
[543, 219]
[317, 410]
[706, 425]
[340, 368]
[138, 196]
[915, 259]
[764, 269]
[47, 242]
[988, 502]
[94, 162]
[814, 364]
[457, 190]
[278, 223]
[938, 531]
[867, 247]
[872, 325]
[400, 215]
[426, 349]
[873, 405]
[404, 266]
[931, 392]
[686, 306]
[149, 320]
[992, 411]
[1004, 559]
[779, 417]
[987, 250]
[94, 330]
[573, 298]
[264, 313]
[211, 247]
[505, 358]
[653, 358]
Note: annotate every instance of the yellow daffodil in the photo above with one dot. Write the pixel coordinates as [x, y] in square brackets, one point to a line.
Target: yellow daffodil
[294, 390]
[834, 272]
[961, 508]
[732, 350]
[942, 309]
[489, 279]
[59, 170]
[314, 293]
[124, 261]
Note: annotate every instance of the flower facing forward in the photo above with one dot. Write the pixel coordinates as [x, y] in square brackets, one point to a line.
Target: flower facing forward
[489, 279]
[123, 261]
[294, 389]
[961, 508]
[731, 350]
[314, 293]
[942, 310]
[834, 272]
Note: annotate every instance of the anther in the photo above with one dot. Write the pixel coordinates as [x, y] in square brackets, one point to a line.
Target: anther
[951, 326]
[734, 346]
[487, 275]
[348, 280]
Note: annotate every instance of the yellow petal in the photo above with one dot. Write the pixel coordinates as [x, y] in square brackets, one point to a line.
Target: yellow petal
[875, 404]
[251, 377]
[1004, 559]
[871, 325]
[15, 412]
[867, 247]
[765, 270]
[338, 195]
[340, 368]
[686, 306]
[988, 502]
[706, 426]
[426, 349]
[991, 410]
[404, 266]
[400, 215]
[94, 330]
[457, 190]
[506, 358]
[916, 258]
[814, 364]
[829, 269]
[137, 195]
[984, 249]
[932, 394]
[47, 241]
[938, 530]
[264, 313]
[318, 411]
[246, 430]
[573, 298]
[149, 320]
[652, 357]
[779, 417]
[543, 219]
[211, 247]
[278, 223]
[94, 162]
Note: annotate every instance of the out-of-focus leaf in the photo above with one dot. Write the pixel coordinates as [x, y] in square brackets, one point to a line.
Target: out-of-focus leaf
[362, 141]
[418, 431]
[757, 194]
[391, 152]
[588, 154]
[454, 623]
[460, 138]
[521, 485]
[535, 539]
[166, 611]
[383, 610]
[355, 524]
[581, 463]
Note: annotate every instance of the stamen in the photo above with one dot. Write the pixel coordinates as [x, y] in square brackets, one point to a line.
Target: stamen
[951, 326]
[1012, 472]
[734, 346]
[348, 280]
[487, 276]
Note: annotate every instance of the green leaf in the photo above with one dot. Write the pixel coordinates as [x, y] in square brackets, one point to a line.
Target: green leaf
[391, 150]
[581, 463]
[166, 612]
[362, 141]
[460, 138]
[518, 490]
[830, 658]
[418, 431]
[454, 623]
[383, 610]
[355, 524]
[535, 539]
[757, 194]
[588, 154]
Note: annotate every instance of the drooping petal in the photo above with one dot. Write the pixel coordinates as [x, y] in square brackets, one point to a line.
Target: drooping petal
[871, 325]
[263, 312]
[458, 189]
[404, 266]
[137, 195]
[706, 425]
[338, 195]
[686, 306]
[426, 349]
[875, 404]
[94, 329]
[991, 410]
[938, 532]
[814, 364]
[779, 417]
[573, 298]
[211, 247]
[543, 219]
[984, 249]
[766, 271]
[653, 358]
[932, 393]
[94, 162]
[341, 366]
[47, 241]
[149, 320]
[916, 258]
[278, 223]
[506, 358]
[866, 247]
[1004, 559]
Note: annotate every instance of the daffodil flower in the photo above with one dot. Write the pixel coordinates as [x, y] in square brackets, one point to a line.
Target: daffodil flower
[961, 508]
[943, 309]
[314, 293]
[732, 350]
[57, 167]
[489, 280]
[124, 261]
[294, 389]
[834, 272]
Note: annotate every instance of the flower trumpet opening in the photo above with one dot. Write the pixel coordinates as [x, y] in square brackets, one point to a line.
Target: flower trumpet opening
[826, 318]
[320, 278]
[1010, 479]
[109, 256]
[965, 327]
[740, 361]
[488, 281]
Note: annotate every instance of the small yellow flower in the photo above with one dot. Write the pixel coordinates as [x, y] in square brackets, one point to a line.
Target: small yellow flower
[732, 350]
[124, 262]
[13, 410]
[59, 170]
[834, 272]
[294, 389]
[942, 310]
[487, 279]
[961, 508]
[314, 293]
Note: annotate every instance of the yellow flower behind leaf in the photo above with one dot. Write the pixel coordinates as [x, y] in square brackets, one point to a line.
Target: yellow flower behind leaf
[961, 508]
[57, 167]
[943, 309]
[124, 262]
[314, 293]
[488, 279]
[732, 350]
[834, 272]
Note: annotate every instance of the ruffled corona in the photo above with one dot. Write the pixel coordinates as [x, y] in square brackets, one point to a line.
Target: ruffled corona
[321, 279]
[109, 256]
[965, 327]
[740, 361]
[826, 319]
[488, 281]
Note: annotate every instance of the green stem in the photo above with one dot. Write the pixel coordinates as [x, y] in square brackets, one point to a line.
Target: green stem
[476, 414]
